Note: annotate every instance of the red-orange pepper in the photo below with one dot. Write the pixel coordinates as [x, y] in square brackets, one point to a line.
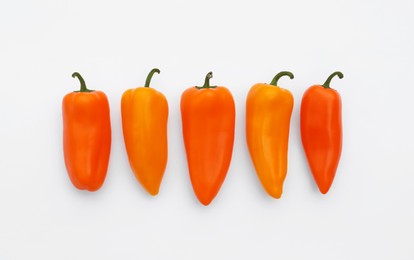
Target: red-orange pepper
[321, 130]
[208, 115]
[86, 136]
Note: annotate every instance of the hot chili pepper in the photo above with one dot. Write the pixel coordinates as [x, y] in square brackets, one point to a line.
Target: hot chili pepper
[86, 136]
[208, 115]
[321, 130]
[268, 112]
[144, 123]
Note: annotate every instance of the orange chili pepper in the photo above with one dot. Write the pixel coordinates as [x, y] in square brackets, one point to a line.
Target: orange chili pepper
[86, 136]
[321, 129]
[144, 123]
[208, 115]
[268, 112]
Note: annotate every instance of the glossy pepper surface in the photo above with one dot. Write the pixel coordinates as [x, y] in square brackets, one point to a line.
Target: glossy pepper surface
[144, 124]
[208, 120]
[86, 136]
[321, 131]
[268, 112]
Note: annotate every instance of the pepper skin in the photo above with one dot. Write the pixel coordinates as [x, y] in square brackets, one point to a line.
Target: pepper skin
[208, 120]
[321, 130]
[86, 136]
[144, 123]
[268, 112]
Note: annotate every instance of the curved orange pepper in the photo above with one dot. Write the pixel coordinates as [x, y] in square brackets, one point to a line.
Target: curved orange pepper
[268, 112]
[208, 115]
[144, 123]
[321, 130]
[86, 136]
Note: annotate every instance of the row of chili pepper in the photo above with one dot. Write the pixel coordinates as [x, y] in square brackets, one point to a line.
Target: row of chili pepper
[208, 122]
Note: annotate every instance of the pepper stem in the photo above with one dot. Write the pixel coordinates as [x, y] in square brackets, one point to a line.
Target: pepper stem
[149, 77]
[328, 80]
[83, 87]
[279, 75]
[207, 81]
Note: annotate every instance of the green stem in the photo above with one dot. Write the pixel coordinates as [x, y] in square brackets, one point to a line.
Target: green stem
[207, 81]
[149, 77]
[328, 80]
[279, 75]
[83, 87]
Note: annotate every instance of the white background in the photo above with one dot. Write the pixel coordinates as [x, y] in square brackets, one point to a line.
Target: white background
[369, 211]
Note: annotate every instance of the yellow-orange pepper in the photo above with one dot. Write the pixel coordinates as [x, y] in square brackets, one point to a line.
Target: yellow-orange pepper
[268, 112]
[144, 123]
